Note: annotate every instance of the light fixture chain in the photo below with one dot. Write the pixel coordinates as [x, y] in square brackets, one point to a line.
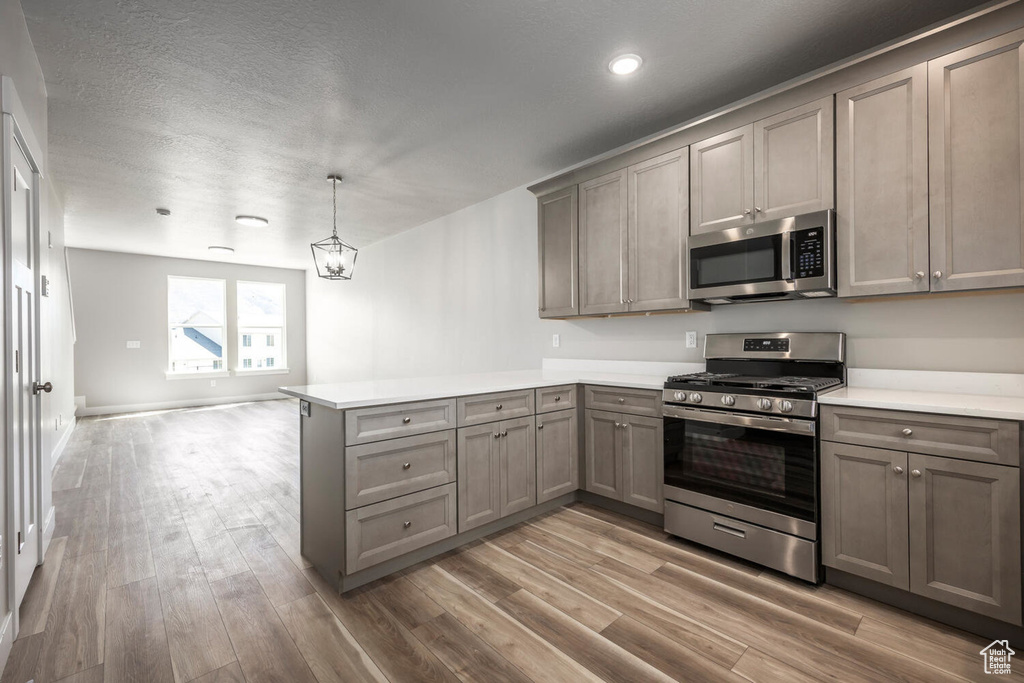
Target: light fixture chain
[334, 182]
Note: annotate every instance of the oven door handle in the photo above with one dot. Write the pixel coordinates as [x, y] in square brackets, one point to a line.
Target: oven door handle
[788, 265]
[783, 424]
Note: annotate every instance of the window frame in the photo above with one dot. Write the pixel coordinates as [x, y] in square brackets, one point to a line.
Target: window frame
[258, 369]
[180, 374]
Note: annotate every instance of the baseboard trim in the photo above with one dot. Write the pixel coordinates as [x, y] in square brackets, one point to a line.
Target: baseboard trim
[48, 528]
[58, 450]
[174, 405]
[6, 639]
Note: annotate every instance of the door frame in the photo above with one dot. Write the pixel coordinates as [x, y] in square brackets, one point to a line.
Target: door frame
[16, 131]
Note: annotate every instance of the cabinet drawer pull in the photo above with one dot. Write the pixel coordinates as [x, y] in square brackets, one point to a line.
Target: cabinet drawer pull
[406, 525]
[406, 465]
[739, 533]
[558, 398]
[908, 431]
[897, 469]
[498, 407]
[622, 400]
[406, 420]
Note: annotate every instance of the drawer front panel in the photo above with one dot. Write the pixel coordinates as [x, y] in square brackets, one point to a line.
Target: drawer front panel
[388, 469]
[966, 438]
[379, 532]
[365, 425]
[632, 401]
[475, 410]
[551, 399]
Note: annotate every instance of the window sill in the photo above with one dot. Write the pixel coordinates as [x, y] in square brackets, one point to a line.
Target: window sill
[197, 375]
[261, 371]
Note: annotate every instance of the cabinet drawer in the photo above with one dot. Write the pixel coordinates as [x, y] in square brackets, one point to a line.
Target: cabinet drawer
[550, 399]
[405, 419]
[632, 401]
[474, 410]
[381, 531]
[387, 469]
[966, 438]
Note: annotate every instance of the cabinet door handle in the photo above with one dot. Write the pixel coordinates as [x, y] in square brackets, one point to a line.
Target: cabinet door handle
[406, 465]
[915, 473]
[740, 533]
[746, 212]
[758, 209]
[937, 274]
[406, 420]
[618, 425]
[497, 435]
[897, 469]
[406, 525]
[540, 426]
[919, 275]
[908, 431]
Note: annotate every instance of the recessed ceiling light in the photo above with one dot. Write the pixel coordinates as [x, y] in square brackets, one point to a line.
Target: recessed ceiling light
[251, 221]
[221, 250]
[163, 212]
[623, 65]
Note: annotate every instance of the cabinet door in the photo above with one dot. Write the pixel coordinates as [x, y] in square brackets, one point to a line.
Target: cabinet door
[643, 462]
[722, 175]
[864, 512]
[659, 223]
[559, 246]
[965, 535]
[976, 148]
[558, 470]
[793, 161]
[603, 244]
[517, 465]
[479, 476]
[602, 444]
[882, 185]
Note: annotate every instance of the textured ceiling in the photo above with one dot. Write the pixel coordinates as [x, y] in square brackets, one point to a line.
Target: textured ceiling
[214, 109]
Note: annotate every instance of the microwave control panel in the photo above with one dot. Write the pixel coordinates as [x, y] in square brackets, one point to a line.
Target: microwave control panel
[809, 253]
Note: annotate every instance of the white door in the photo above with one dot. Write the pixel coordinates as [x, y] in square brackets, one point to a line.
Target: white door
[24, 349]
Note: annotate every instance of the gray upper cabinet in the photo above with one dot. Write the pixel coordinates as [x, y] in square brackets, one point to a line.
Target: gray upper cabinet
[965, 535]
[882, 185]
[479, 480]
[603, 464]
[864, 512]
[558, 469]
[643, 462]
[603, 244]
[721, 176]
[658, 227]
[793, 161]
[559, 247]
[517, 465]
[976, 148]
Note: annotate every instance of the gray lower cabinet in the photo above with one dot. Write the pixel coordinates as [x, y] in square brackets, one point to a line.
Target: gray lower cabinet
[976, 152]
[965, 535]
[864, 512]
[497, 471]
[558, 469]
[625, 458]
[558, 246]
[603, 244]
[882, 185]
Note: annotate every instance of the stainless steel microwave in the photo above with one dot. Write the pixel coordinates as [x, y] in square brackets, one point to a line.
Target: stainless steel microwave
[789, 258]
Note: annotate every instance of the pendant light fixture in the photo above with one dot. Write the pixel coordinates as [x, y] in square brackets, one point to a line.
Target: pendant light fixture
[333, 258]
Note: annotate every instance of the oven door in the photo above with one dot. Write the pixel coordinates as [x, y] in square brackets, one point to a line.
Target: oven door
[763, 469]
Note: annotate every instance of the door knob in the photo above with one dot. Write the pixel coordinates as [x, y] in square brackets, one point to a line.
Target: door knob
[897, 469]
[37, 387]
[915, 473]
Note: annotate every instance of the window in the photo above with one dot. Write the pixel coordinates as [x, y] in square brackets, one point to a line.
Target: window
[196, 325]
[261, 325]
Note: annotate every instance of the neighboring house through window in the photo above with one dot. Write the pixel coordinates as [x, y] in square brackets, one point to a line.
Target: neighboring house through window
[261, 325]
[196, 319]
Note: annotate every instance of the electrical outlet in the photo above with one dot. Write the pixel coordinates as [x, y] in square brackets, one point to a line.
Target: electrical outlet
[213, 382]
[556, 340]
[691, 340]
[133, 345]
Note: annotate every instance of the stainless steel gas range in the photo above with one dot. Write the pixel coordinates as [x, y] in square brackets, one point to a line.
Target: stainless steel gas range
[741, 446]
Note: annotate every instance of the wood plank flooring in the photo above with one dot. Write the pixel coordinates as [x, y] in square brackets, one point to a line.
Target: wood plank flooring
[176, 558]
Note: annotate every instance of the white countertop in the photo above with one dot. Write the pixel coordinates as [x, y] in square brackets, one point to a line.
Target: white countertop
[970, 405]
[382, 392]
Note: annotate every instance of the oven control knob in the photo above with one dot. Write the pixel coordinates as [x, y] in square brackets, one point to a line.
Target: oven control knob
[728, 400]
[696, 398]
[680, 396]
[786, 406]
[765, 403]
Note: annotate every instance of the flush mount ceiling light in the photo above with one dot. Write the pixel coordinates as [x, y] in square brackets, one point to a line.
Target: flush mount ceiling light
[251, 221]
[623, 65]
[333, 258]
[221, 250]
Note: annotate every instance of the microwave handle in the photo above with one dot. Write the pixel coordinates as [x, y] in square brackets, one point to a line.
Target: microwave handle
[788, 256]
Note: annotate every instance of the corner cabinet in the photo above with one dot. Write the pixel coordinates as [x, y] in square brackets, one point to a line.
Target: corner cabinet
[943, 523]
[774, 168]
[976, 149]
[558, 245]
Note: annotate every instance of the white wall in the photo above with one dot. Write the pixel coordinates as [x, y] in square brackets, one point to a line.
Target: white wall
[459, 294]
[121, 297]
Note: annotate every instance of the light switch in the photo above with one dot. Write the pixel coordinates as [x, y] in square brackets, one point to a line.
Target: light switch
[691, 340]
[133, 345]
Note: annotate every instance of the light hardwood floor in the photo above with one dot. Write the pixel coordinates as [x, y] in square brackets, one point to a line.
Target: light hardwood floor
[176, 558]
